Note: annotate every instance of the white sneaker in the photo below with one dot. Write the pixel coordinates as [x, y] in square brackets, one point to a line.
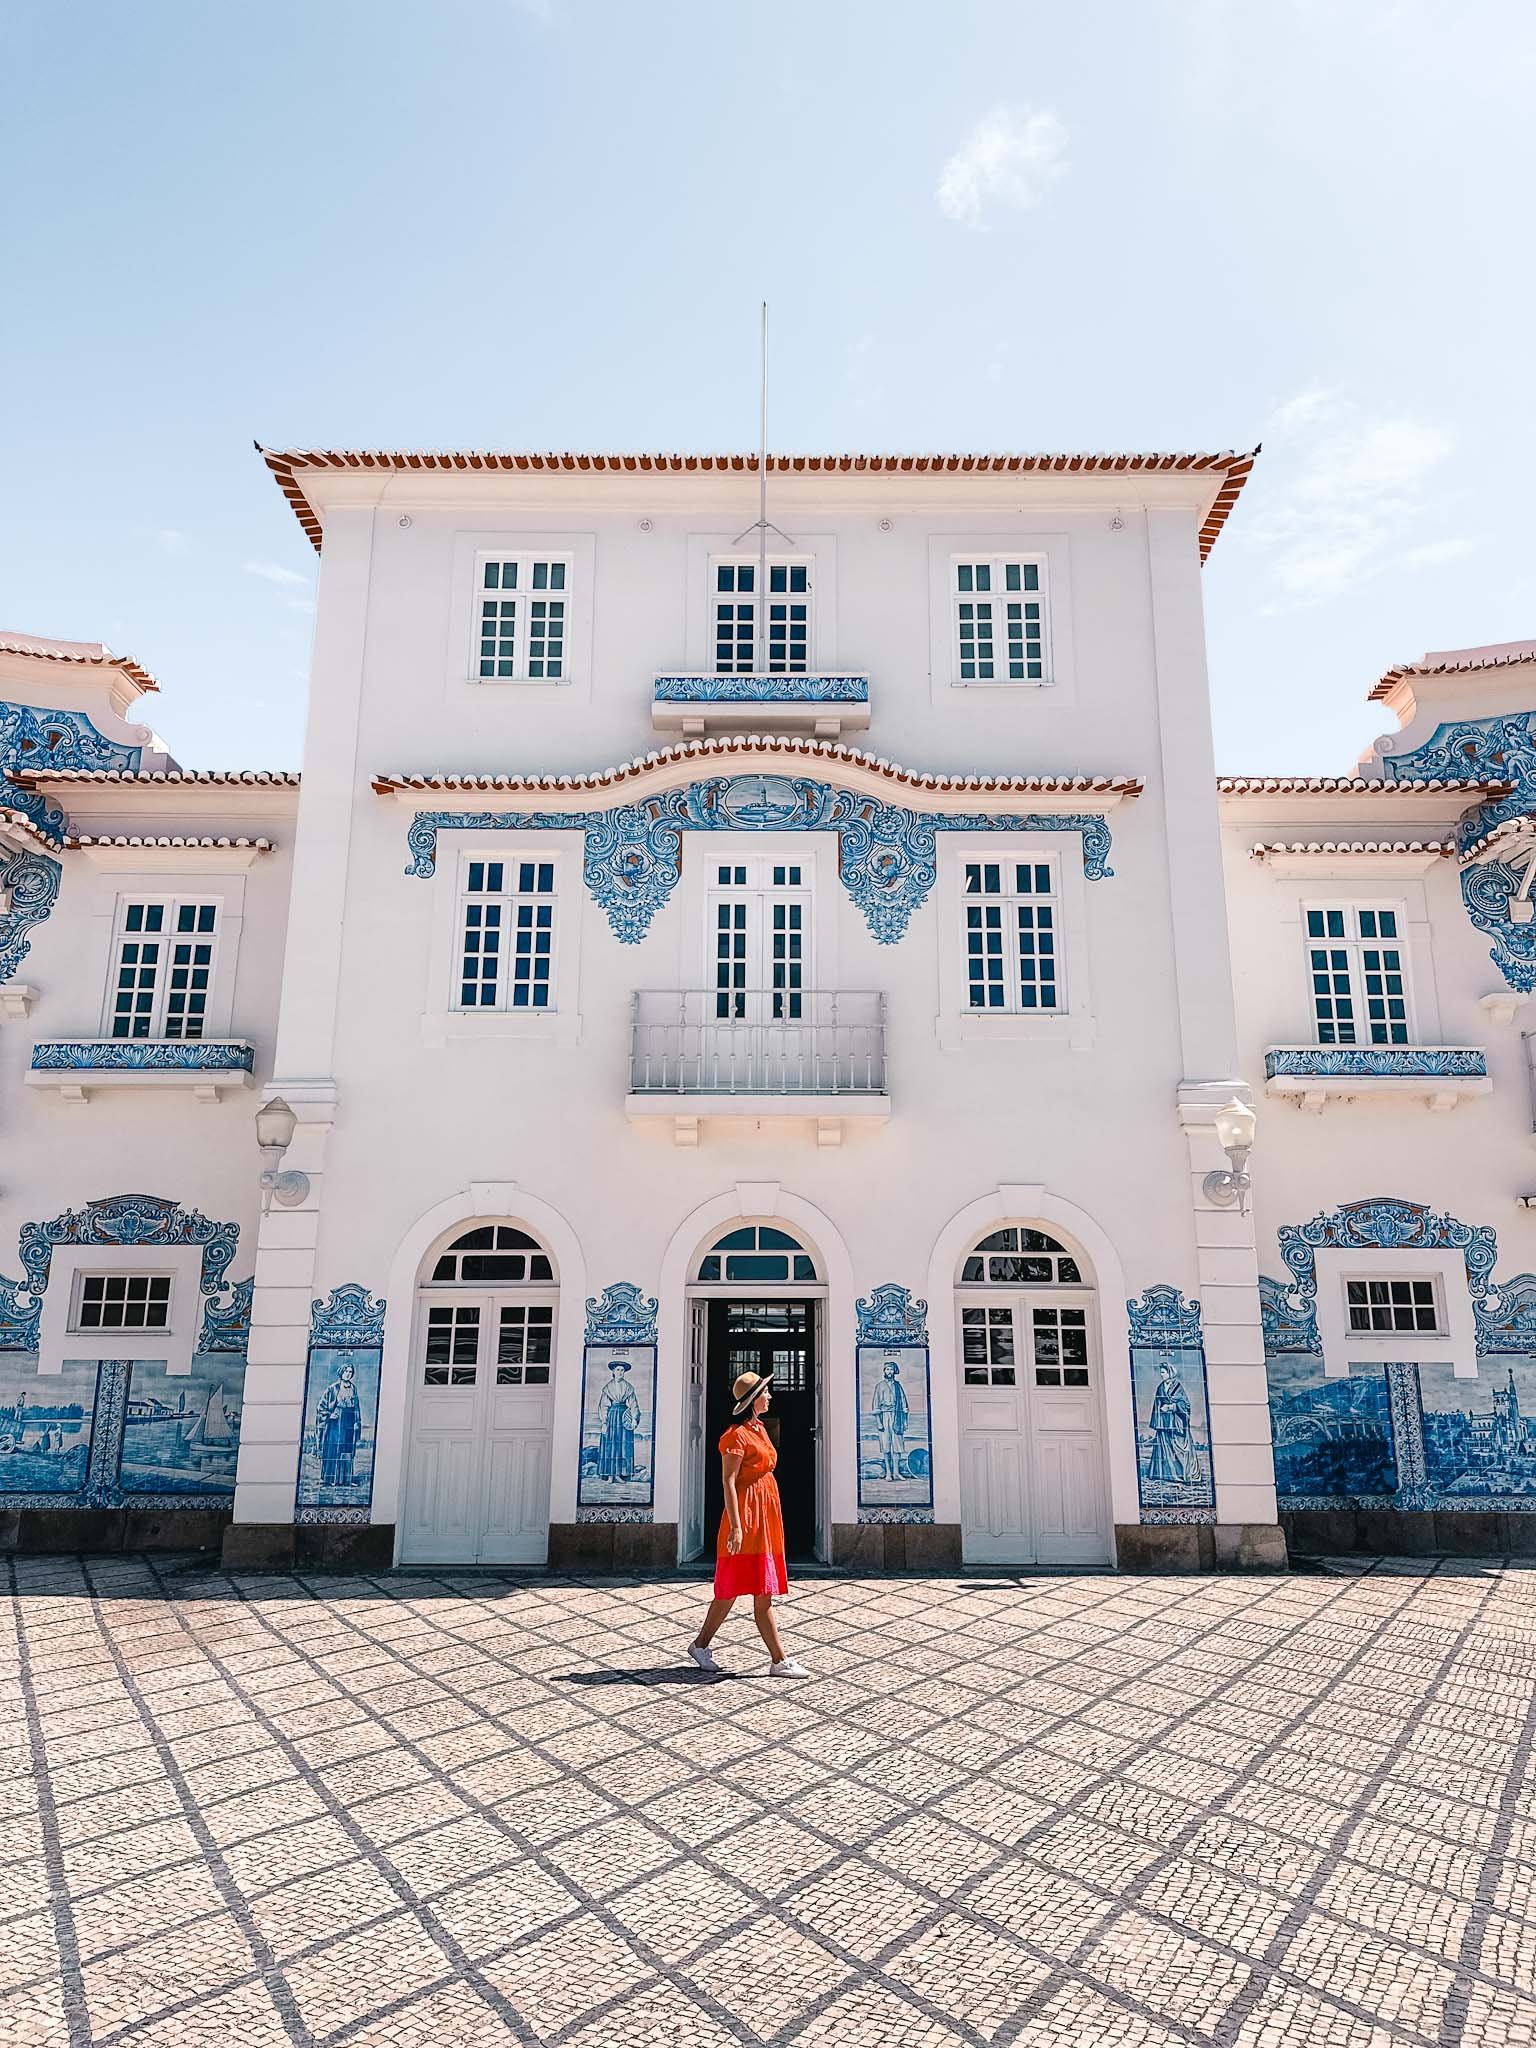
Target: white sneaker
[703, 1656]
[787, 1668]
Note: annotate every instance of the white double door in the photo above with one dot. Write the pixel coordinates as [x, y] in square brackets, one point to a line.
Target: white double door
[482, 1413]
[1031, 1430]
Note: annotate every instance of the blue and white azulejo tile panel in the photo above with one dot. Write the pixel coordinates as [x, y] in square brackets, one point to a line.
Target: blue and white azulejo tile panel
[45, 1428]
[1174, 1471]
[895, 1419]
[1333, 1438]
[618, 1433]
[181, 1433]
[341, 1407]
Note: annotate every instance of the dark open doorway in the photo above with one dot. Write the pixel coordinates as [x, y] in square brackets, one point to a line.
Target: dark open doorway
[777, 1337]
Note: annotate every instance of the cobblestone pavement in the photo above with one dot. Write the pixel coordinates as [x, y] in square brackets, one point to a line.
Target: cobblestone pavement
[1271, 1813]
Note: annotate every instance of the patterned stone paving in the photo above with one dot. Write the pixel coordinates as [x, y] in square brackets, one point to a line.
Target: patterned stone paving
[1269, 1813]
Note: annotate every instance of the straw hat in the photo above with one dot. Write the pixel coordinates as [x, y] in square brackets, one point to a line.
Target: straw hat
[746, 1387]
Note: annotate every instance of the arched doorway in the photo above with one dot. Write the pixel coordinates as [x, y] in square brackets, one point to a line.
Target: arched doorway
[1031, 1409]
[756, 1298]
[482, 1401]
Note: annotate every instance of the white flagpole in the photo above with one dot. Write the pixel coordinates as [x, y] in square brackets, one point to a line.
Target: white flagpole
[762, 506]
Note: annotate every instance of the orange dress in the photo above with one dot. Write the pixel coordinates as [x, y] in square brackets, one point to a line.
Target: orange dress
[758, 1567]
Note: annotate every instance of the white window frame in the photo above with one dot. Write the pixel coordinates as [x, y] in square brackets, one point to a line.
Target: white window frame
[508, 900]
[59, 1339]
[998, 565]
[462, 686]
[991, 701]
[1343, 1347]
[441, 1017]
[121, 936]
[759, 883]
[732, 558]
[77, 1328]
[1009, 898]
[525, 596]
[1353, 946]
[1072, 1021]
[1437, 1302]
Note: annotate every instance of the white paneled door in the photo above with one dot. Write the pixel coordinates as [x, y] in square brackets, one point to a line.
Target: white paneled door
[1031, 1430]
[477, 1476]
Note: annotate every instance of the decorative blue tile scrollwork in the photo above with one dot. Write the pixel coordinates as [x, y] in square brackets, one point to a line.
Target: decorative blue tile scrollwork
[131, 1220]
[227, 1324]
[141, 1055]
[31, 737]
[32, 880]
[43, 816]
[1506, 1316]
[1342, 1060]
[890, 1315]
[21, 1315]
[621, 1315]
[1163, 1319]
[1175, 1473]
[348, 1315]
[767, 689]
[1491, 749]
[1383, 1223]
[633, 856]
[1290, 1326]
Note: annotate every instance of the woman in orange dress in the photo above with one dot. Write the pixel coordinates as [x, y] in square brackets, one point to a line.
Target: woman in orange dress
[749, 1555]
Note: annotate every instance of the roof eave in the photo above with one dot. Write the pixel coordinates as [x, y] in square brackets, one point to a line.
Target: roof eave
[286, 465]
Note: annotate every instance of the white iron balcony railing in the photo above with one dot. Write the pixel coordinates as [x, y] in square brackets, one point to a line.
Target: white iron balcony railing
[809, 1042]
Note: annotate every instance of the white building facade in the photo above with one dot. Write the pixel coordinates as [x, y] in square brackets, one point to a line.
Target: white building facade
[829, 954]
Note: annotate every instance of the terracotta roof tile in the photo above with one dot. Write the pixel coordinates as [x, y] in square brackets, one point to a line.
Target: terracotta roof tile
[89, 652]
[1463, 662]
[145, 778]
[1351, 786]
[1263, 851]
[771, 743]
[288, 464]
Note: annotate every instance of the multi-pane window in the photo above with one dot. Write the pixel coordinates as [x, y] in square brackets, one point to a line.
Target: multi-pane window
[522, 618]
[164, 973]
[1392, 1307]
[453, 1346]
[1010, 936]
[757, 1251]
[761, 916]
[124, 1301]
[986, 1343]
[1000, 620]
[494, 1251]
[1060, 1338]
[786, 646]
[1018, 1256]
[525, 1337]
[1359, 974]
[507, 935]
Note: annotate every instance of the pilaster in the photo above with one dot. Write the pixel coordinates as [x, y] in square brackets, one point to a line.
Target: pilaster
[1226, 1262]
[287, 1243]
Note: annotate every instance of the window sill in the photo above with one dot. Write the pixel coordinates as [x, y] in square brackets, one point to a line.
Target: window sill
[1005, 685]
[519, 682]
[77, 1069]
[547, 1027]
[1314, 1075]
[1014, 1027]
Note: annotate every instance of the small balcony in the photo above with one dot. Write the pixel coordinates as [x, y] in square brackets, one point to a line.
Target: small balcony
[78, 1068]
[1314, 1075]
[759, 1056]
[822, 704]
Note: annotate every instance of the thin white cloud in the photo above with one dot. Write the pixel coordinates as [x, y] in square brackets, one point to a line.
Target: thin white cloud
[1011, 157]
[172, 541]
[1435, 554]
[274, 572]
[1347, 496]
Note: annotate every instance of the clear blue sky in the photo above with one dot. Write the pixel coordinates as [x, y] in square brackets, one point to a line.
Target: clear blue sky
[548, 223]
